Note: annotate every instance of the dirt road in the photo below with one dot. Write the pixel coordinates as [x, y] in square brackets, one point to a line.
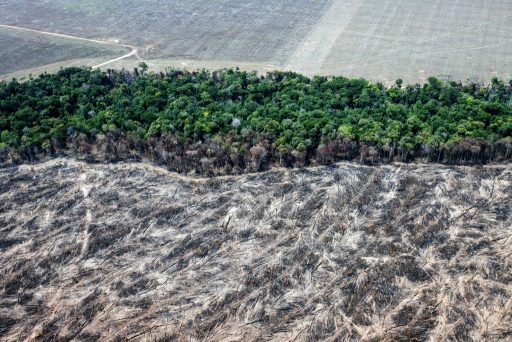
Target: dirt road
[133, 49]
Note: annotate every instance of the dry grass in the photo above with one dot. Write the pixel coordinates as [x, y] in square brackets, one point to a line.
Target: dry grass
[132, 252]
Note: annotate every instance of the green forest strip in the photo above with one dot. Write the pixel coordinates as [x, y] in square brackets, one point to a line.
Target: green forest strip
[232, 121]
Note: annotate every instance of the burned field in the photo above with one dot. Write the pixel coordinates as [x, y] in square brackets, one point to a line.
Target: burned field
[381, 40]
[130, 251]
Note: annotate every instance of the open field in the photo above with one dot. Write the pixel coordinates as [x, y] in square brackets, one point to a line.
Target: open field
[238, 31]
[348, 253]
[379, 40]
[21, 51]
[415, 39]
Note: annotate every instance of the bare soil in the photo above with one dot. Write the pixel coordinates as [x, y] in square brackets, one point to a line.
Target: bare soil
[22, 51]
[381, 40]
[344, 253]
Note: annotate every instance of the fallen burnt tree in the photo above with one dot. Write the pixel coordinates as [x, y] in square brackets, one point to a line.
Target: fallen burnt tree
[133, 252]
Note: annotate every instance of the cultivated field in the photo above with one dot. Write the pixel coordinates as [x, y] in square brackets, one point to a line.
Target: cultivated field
[346, 253]
[378, 39]
[415, 39]
[21, 51]
[251, 31]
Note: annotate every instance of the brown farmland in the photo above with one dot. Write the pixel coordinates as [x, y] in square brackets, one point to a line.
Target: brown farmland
[342, 253]
[377, 39]
[23, 51]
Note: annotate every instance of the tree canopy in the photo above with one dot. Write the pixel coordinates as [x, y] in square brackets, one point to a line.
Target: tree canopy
[238, 120]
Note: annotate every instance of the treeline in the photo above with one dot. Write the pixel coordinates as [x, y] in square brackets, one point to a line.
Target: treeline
[231, 121]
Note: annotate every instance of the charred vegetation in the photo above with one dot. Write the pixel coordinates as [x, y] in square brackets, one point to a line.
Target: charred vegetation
[347, 252]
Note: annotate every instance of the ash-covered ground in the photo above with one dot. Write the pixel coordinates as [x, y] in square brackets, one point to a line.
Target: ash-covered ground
[344, 253]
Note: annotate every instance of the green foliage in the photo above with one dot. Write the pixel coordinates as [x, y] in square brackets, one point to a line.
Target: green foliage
[287, 110]
[144, 67]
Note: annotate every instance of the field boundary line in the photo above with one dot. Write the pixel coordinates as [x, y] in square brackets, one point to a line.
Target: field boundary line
[133, 52]
[310, 56]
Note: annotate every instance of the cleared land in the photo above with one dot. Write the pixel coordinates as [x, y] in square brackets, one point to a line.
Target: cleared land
[380, 40]
[454, 40]
[219, 30]
[130, 251]
[26, 50]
